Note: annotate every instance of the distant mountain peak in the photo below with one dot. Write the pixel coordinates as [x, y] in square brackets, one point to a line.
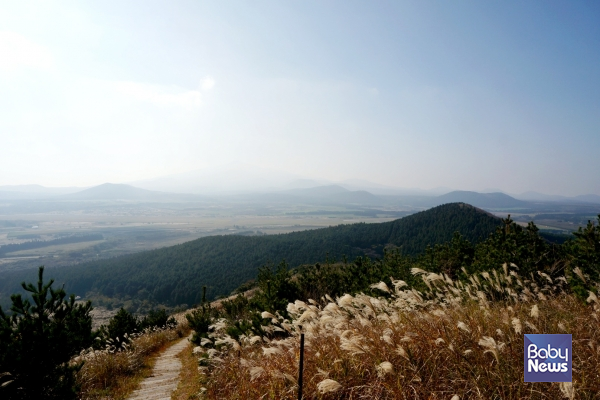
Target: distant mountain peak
[481, 200]
[324, 190]
[114, 191]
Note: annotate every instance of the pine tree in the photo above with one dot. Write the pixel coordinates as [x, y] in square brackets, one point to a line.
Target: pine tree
[122, 323]
[200, 319]
[38, 340]
[156, 318]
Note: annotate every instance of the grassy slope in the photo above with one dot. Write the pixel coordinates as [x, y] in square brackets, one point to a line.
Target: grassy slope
[175, 275]
[403, 346]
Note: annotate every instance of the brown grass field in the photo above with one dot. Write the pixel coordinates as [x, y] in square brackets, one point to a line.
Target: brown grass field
[456, 341]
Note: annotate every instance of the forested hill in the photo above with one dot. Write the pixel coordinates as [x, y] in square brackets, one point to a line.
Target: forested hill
[175, 275]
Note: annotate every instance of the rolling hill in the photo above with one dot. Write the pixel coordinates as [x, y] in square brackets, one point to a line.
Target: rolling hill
[175, 275]
[113, 191]
[483, 200]
[119, 191]
[331, 194]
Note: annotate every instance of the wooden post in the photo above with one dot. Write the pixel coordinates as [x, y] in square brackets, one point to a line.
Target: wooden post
[301, 368]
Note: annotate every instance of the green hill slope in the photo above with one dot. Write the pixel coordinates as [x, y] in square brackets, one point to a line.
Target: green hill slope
[175, 275]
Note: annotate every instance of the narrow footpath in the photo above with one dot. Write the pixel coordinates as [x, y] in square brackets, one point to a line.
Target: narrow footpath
[165, 375]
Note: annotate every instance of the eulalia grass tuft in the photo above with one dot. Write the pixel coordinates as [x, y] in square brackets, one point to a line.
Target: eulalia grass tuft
[455, 340]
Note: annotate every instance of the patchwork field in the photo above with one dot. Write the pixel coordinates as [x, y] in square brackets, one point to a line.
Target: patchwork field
[125, 231]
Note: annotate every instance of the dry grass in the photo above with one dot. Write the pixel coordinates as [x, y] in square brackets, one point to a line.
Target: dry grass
[191, 379]
[114, 374]
[456, 341]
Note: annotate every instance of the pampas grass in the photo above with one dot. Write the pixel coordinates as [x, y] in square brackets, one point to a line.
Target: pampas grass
[456, 340]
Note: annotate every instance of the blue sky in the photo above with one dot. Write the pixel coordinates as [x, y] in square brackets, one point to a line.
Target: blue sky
[463, 94]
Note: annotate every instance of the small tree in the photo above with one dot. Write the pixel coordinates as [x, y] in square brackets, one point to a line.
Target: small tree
[122, 323]
[277, 288]
[157, 318]
[200, 319]
[38, 340]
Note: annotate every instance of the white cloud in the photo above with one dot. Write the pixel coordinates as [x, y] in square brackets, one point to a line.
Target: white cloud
[207, 83]
[16, 51]
[160, 95]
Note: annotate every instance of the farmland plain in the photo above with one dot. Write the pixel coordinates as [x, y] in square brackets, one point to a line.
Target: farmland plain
[112, 220]
[134, 226]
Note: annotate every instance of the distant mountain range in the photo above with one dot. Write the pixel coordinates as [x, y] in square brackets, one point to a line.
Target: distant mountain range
[225, 180]
[303, 191]
[328, 194]
[114, 191]
[105, 191]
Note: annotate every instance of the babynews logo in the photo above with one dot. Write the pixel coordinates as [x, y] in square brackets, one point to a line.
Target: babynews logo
[548, 358]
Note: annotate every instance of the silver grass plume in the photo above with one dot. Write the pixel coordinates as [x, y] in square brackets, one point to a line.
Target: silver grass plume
[328, 386]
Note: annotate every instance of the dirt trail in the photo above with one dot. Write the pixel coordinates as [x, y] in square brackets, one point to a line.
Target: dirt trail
[165, 375]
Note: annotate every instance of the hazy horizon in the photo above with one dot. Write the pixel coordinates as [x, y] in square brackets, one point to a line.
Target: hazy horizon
[247, 182]
[411, 95]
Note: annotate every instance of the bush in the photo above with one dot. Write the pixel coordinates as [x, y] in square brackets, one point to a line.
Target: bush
[121, 325]
[157, 318]
[200, 319]
[38, 340]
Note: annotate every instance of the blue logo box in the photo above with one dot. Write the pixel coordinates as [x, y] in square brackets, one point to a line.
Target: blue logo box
[548, 358]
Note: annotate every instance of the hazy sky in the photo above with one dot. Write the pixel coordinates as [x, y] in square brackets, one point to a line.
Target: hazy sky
[462, 94]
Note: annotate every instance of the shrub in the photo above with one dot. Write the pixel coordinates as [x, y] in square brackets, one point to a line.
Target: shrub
[157, 318]
[121, 325]
[200, 319]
